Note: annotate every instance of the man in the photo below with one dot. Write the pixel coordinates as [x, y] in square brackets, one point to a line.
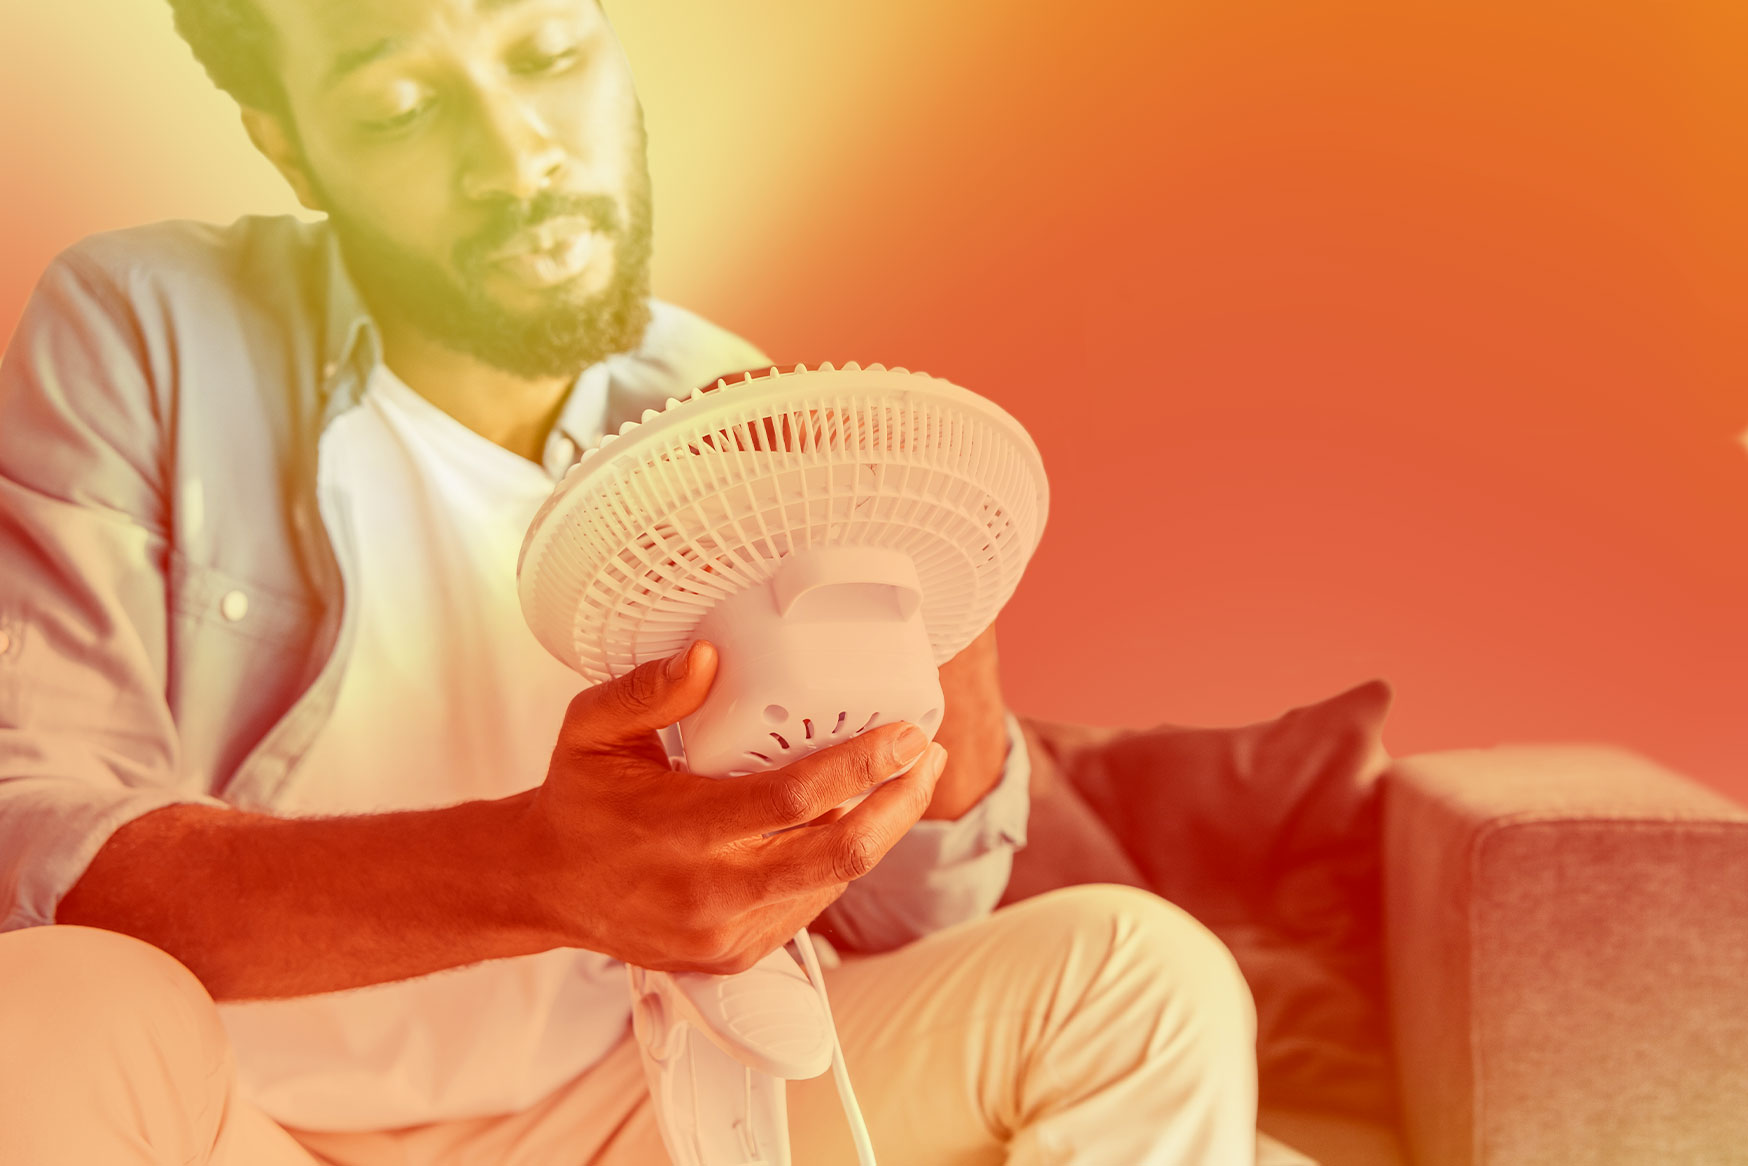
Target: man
[267, 704]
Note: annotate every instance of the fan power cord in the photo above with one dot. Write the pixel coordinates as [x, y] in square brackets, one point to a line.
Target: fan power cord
[840, 1072]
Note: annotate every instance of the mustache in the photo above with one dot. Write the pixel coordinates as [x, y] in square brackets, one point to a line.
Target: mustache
[511, 217]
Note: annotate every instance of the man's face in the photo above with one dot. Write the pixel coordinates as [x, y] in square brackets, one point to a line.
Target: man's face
[483, 165]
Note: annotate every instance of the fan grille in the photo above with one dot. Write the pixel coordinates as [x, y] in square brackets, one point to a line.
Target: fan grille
[659, 523]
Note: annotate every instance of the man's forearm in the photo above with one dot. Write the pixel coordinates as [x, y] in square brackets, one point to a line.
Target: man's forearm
[258, 906]
[973, 730]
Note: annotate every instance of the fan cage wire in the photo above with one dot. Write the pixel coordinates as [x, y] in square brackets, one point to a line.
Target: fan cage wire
[942, 484]
[808, 530]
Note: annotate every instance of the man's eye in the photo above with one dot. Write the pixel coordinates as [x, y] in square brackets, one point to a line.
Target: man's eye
[545, 64]
[400, 121]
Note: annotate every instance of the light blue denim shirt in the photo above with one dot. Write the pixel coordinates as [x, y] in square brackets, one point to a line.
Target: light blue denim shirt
[173, 624]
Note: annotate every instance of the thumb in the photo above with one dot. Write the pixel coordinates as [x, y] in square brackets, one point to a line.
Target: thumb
[651, 696]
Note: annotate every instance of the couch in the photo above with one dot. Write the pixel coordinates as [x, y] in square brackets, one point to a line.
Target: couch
[1518, 956]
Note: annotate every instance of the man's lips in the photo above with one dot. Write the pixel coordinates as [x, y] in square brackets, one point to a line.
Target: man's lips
[548, 236]
[549, 254]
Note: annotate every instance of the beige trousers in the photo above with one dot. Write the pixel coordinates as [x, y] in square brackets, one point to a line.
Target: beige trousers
[1098, 1026]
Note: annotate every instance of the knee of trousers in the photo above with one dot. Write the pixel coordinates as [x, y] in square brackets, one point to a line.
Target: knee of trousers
[1153, 956]
[80, 992]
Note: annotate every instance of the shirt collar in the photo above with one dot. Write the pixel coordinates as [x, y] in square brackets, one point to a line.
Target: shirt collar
[581, 420]
[351, 345]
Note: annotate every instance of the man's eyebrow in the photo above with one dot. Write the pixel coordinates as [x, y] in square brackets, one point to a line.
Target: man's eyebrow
[353, 60]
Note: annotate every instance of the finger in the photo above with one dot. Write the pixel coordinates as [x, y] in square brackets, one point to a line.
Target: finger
[852, 846]
[652, 696]
[801, 791]
[830, 816]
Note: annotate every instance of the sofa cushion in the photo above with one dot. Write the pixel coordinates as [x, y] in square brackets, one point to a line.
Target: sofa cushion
[1568, 931]
[1331, 1139]
[1268, 834]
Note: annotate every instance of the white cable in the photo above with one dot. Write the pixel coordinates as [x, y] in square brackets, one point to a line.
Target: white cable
[840, 1071]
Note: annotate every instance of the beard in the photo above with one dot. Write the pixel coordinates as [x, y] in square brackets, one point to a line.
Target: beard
[559, 337]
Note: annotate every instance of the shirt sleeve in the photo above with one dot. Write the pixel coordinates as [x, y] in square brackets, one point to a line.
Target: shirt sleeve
[87, 742]
[942, 872]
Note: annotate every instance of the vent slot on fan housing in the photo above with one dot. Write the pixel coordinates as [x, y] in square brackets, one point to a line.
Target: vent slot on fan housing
[797, 735]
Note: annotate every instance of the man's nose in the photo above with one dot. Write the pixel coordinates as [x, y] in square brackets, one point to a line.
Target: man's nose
[512, 152]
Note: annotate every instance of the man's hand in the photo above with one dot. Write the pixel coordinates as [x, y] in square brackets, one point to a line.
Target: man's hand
[676, 872]
[614, 852]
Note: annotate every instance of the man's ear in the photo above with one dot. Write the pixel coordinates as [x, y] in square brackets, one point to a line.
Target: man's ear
[274, 138]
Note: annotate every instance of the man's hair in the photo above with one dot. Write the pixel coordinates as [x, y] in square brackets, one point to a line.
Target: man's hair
[234, 41]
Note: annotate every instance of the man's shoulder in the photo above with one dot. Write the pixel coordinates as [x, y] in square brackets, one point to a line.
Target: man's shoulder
[276, 262]
[680, 352]
[684, 348]
[184, 245]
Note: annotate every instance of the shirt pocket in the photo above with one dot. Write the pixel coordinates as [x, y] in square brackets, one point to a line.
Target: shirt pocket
[238, 654]
[213, 600]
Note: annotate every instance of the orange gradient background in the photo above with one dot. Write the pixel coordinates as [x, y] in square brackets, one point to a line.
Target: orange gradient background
[1360, 339]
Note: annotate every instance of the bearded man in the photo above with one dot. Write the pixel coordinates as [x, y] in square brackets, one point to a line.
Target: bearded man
[308, 852]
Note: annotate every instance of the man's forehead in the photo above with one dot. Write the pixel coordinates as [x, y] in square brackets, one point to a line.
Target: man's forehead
[333, 27]
[344, 15]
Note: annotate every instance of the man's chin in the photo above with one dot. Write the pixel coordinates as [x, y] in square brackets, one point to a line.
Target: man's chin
[560, 340]
[511, 299]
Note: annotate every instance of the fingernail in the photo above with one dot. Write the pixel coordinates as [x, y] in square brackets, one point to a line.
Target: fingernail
[909, 745]
[676, 666]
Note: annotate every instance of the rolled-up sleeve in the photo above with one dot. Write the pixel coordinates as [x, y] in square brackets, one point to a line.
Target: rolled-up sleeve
[87, 742]
[942, 872]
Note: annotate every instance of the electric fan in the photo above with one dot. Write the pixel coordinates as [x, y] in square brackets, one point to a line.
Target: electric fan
[837, 534]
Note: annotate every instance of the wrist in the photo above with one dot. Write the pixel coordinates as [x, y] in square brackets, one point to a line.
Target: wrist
[974, 730]
[975, 765]
[538, 874]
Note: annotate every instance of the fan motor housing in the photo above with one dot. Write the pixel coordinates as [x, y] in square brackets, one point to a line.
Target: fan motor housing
[832, 645]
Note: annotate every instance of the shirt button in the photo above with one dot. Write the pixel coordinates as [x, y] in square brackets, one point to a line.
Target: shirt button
[234, 606]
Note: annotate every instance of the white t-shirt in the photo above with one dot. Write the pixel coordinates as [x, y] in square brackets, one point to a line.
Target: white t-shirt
[447, 697]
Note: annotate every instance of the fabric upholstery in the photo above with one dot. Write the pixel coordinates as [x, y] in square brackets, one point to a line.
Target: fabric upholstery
[1567, 933]
[1268, 834]
[1333, 1139]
